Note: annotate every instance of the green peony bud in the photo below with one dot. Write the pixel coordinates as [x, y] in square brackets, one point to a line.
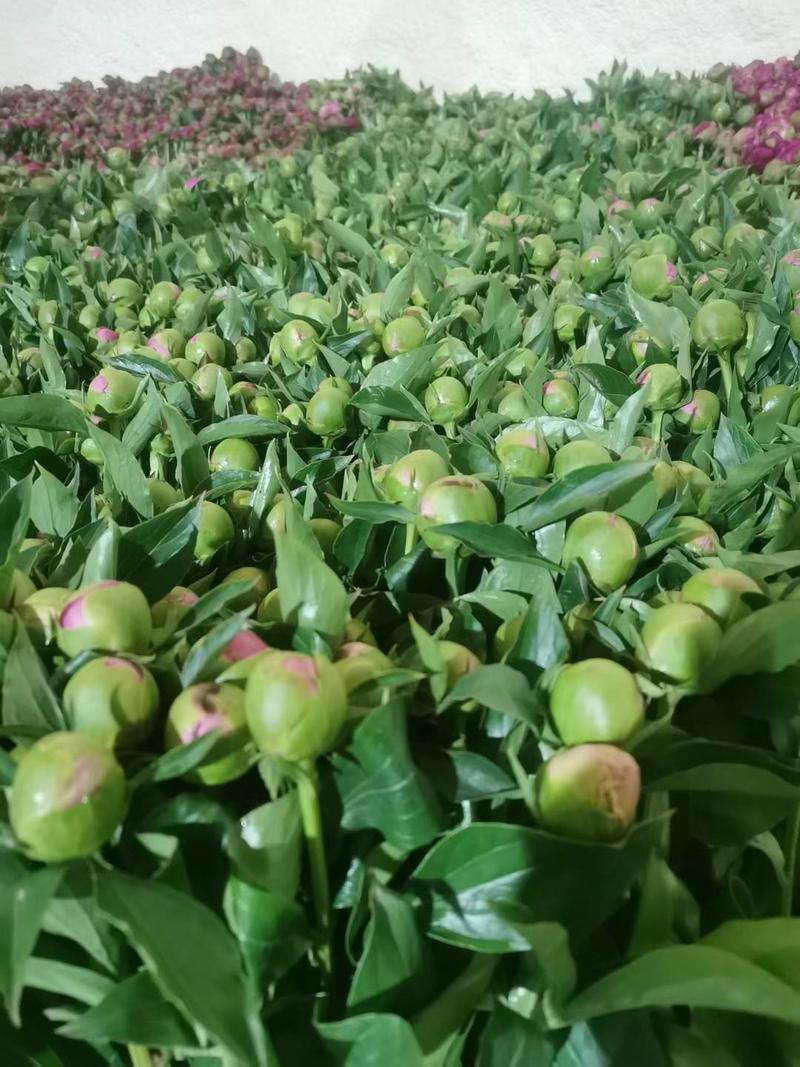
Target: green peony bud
[700, 413]
[296, 705]
[718, 326]
[589, 792]
[664, 386]
[234, 454]
[596, 700]
[326, 411]
[560, 398]
[720, 591]
[575, 455]
[408, 476]
[680, 640]
[456, 498]
[522, 452]
[298, 339]
[204, 348]
[653, 277]
[215, 531]
[606, 546]
[402, 335]
[199, 710]
[253, 596]
[446, 400]
[112, 699]
[111, 391]
[107, 616]
[696, 536]
[67, 798]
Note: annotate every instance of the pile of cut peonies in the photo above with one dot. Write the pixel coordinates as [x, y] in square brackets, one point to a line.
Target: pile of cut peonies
[399, 573]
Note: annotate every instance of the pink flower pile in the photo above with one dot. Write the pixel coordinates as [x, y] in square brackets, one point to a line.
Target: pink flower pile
[226, 108]
[773, 133]
[774, 91]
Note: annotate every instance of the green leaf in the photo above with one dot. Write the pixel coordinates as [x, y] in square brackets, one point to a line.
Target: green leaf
[54, 506]
[390, 403]
[475, 870]
[501, 314]
[24, 899]
[15, 508]
[496, 686]
[133, 1012]
[192, 958]
[27, 699]
[158, 553]
[272, 929]
[101, 562]
[179, 761]
[764, 641]
[192, 463]
[205, 651]
[749, 474]
[499, 541]
[266, 850]
[348, 239]
[398, 292]
[123, 470]
[695, 975]
[582, 490]
[610, 383]
[374, 511]
[64, 979]
[309, 590]
[380, 785]
[42, 411]
[372, 1041]
[141, 365]
[393, 956]
[239, 426]
[509, 1038]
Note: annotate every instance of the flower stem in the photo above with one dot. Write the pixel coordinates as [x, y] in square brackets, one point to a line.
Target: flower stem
[140, 1057]
[727, 379]
[454, 567]
[656, 427]
[411, 536]
[790, 854]
[308, 795]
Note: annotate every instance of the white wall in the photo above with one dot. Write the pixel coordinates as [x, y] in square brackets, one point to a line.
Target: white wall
[498, 44]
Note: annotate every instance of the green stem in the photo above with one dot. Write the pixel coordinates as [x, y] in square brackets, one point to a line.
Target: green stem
[656, 427]
[411, 536]
[308, 795]
[437, 1023]
[727, 379]
[790, 854]
[140, 1057]
[454, 568]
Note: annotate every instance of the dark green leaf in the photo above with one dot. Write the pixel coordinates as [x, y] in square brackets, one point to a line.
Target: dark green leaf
[192, 958]
[380, 785]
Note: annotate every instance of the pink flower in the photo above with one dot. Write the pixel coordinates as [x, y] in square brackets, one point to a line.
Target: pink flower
[94, 252]
[243, 646]
[331, 109]
[106, 335]
[190, 183]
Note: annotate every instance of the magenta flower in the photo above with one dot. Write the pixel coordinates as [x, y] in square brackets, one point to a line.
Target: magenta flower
[190, 183]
